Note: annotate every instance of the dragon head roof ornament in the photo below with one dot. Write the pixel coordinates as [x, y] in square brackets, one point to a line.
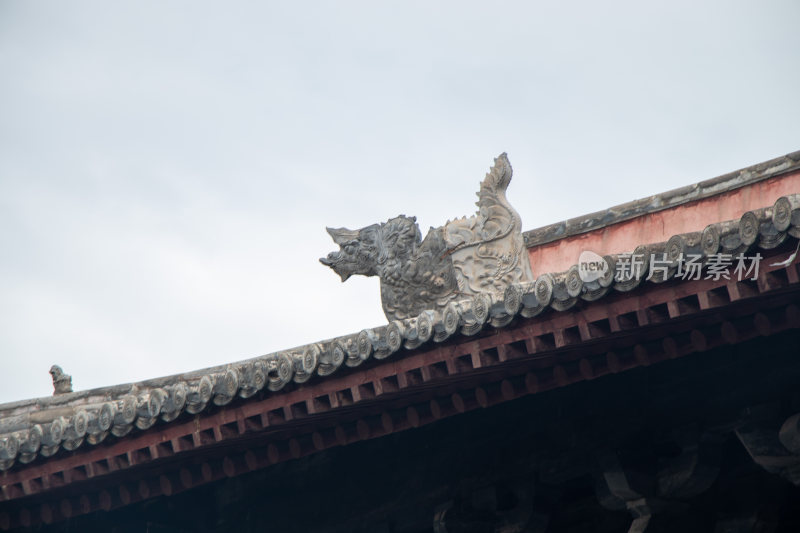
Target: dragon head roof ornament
[484, 253]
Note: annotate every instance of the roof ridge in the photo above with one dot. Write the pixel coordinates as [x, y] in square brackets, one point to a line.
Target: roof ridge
[665, 200]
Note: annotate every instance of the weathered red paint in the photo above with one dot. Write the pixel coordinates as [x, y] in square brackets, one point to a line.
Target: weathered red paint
[656, 227]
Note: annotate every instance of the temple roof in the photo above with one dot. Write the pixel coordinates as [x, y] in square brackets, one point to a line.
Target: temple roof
[36, 430]
[41, 426]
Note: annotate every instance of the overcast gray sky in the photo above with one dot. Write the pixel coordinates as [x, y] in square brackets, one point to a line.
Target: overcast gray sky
[167, 169]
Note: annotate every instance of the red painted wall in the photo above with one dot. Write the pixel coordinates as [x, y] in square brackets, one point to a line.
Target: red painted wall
[624, 236]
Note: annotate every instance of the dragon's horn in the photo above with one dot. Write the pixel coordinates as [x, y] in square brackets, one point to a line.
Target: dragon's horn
[342, 235]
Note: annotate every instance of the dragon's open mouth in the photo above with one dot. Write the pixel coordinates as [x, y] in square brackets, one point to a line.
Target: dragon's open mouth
[335, 262]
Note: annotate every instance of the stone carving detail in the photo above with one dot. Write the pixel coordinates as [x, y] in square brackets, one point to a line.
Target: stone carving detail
[484, 253]
[62, 383]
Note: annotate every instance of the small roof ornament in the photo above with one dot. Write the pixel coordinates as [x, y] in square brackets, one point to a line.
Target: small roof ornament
[62, 383]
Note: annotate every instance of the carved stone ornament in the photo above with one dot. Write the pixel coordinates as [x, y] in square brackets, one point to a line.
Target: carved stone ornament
[484, 253]
[62, 383]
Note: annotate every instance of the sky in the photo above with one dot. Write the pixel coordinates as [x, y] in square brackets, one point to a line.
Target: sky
[167, 169]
